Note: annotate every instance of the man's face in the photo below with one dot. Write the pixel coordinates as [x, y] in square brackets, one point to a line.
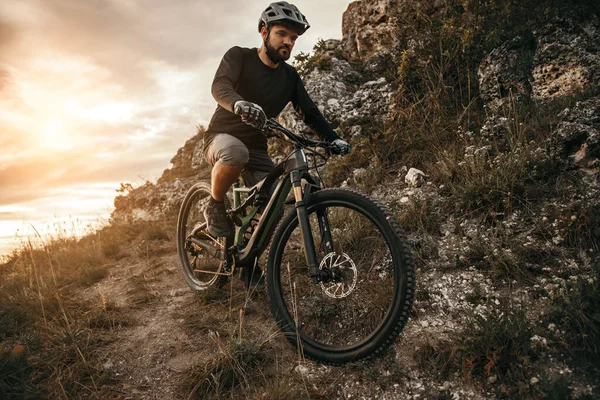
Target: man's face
[280, 41]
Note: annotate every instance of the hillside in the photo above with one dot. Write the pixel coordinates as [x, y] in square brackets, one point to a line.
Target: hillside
[497, 103]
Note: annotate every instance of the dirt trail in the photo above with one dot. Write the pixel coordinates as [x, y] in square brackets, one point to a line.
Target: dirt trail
[148, 355]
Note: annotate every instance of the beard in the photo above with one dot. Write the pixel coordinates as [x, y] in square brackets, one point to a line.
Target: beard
[276, 54]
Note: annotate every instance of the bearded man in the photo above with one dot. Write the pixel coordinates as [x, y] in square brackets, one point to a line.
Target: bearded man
[255, 84]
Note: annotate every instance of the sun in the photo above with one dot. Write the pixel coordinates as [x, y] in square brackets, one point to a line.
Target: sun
[56, 135]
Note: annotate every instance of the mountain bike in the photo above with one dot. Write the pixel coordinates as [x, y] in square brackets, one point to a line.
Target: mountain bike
[340, 278]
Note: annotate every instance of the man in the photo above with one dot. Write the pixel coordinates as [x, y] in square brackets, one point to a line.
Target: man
[255, 84]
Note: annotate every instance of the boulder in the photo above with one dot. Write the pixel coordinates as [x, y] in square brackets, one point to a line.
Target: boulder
[567, 56]
[578, 136]
[505, 72]
[369, 27]
[557, 58]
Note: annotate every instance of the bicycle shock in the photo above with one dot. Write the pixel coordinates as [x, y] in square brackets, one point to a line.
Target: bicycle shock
[253, 224]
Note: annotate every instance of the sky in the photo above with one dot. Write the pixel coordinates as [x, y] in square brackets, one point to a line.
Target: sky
[98, 92]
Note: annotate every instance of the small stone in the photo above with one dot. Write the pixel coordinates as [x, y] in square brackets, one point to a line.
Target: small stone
[534, 381]
[573, 217]
[302, 369]
[415, 177]
[492, 379]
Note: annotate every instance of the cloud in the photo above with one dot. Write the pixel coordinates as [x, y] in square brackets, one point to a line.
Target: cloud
[108, 90]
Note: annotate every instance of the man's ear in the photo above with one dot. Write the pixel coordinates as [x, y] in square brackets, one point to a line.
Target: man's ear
[263, 32]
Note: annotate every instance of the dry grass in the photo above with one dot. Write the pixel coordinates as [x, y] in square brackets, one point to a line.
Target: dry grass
[245, 354]
[43, 313]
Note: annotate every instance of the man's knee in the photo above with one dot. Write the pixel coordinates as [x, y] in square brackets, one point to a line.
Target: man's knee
[234, 155]
[228, 150]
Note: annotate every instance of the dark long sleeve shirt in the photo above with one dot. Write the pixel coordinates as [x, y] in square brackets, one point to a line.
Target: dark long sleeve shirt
[243, 76]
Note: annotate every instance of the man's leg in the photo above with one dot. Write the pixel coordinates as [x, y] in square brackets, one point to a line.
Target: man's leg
[228, 155]
[222, 177]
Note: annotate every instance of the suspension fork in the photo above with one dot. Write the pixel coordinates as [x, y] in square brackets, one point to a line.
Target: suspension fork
[325, 232]
[309, 242]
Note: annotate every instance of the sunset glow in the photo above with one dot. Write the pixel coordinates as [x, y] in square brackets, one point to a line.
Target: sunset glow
[93, 94]
[55, 135]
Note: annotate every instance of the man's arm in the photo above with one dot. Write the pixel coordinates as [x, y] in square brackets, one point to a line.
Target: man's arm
[304, 105]
[226, 79]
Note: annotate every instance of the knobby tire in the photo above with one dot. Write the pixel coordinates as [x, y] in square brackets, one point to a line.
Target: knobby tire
[374, 311]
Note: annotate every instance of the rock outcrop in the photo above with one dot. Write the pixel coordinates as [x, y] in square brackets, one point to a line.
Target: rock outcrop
[567, 56]
[578, 137]
[507, 71]
[559, 58]
[369, 28]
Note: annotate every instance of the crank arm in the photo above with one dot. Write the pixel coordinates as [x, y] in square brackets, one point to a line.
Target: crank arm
[230, 273]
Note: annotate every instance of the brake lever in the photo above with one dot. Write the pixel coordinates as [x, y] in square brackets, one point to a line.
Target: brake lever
[268, 132]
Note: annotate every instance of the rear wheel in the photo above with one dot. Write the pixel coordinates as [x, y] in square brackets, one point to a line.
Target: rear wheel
[197, 265]
[364, 304]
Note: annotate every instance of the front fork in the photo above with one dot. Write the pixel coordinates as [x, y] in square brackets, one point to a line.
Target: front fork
[310, 252]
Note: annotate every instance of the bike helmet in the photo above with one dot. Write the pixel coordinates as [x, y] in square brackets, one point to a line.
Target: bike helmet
[284, 13]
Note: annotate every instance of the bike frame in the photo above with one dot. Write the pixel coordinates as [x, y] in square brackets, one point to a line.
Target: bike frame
[288, 175]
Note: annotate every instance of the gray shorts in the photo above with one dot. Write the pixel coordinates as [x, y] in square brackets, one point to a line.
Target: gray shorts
[229, 150]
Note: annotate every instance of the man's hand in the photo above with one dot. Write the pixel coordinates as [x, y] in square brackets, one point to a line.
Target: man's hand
[340, 147]
[251, 113]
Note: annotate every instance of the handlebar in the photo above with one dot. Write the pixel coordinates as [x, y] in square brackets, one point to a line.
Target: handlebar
[271, 128]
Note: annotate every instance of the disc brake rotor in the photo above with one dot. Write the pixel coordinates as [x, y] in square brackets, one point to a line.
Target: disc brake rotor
[345, 275]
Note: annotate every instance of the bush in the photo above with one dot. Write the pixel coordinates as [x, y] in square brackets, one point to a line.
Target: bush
[497, 343]
[575, 318]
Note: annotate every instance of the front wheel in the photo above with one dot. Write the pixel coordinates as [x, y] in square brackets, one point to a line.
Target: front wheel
[200, 270]
[365, 303]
